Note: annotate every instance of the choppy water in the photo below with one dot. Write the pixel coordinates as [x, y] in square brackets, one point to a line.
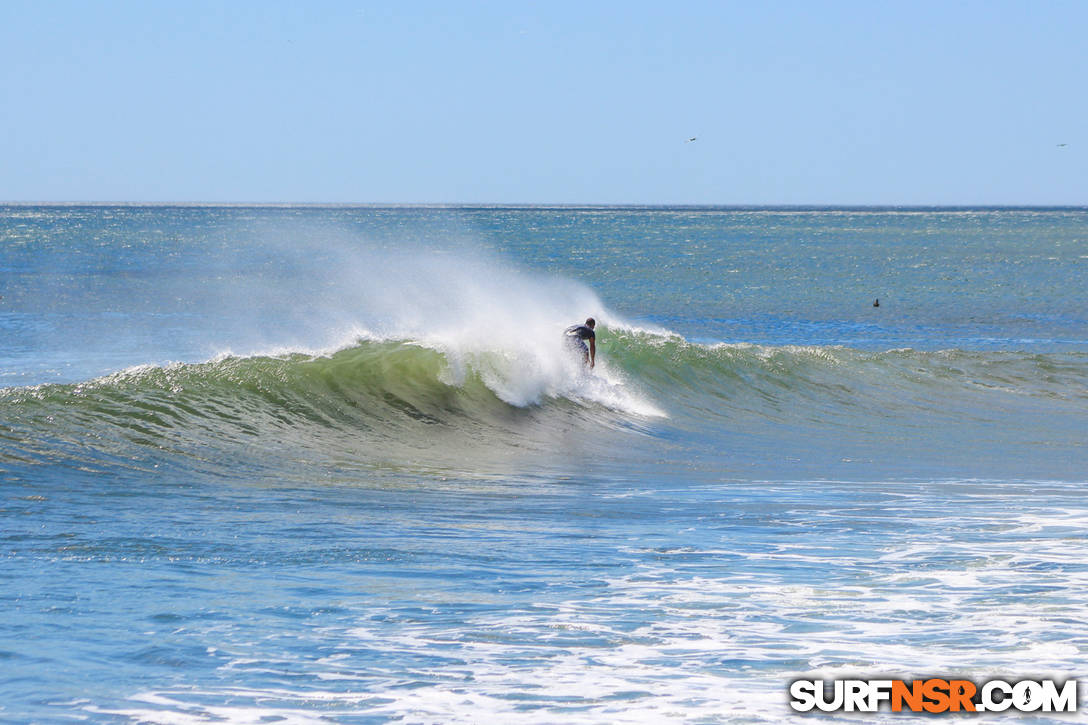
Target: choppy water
[333, 464]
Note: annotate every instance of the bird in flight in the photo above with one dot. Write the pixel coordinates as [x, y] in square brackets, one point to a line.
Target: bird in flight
[1062, 145]
[691, 139]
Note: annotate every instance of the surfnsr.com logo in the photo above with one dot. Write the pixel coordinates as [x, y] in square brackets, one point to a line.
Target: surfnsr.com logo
[933, 695]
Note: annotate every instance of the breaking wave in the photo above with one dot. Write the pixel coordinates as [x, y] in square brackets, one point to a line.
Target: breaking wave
[389, 401]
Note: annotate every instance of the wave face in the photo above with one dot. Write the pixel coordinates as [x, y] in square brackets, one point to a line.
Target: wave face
[374, 402]
[765, 378]
[437, 404]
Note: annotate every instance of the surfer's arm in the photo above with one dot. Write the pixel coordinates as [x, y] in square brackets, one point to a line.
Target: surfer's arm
[592, 351]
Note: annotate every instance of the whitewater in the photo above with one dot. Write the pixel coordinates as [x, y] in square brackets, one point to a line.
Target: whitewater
[335, 464]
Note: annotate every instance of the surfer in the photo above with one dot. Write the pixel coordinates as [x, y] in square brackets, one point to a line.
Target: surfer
[576, 336]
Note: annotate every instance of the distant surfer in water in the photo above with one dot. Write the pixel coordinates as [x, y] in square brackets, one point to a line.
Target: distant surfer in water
[576, 336]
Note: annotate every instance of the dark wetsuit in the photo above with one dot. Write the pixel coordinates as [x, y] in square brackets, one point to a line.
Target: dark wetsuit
[576, 336]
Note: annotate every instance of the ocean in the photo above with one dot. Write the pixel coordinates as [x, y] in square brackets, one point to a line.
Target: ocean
[311, 464]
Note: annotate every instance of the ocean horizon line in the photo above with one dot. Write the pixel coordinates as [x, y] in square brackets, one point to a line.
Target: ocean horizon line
[547, 205]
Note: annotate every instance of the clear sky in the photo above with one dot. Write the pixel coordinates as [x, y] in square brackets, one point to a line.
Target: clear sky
[553, 102]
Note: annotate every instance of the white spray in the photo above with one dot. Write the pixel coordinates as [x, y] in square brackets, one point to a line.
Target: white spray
[487, 318]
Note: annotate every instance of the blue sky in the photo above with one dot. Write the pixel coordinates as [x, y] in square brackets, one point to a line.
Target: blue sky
[551, 102]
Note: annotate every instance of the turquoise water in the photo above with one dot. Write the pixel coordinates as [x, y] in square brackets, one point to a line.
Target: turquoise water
[332, 464]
